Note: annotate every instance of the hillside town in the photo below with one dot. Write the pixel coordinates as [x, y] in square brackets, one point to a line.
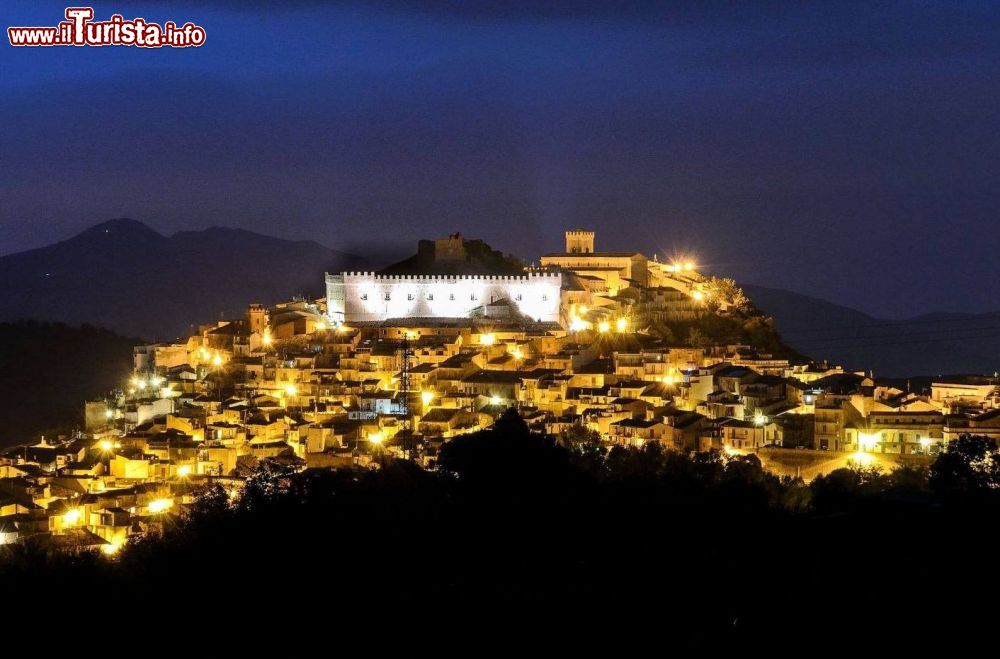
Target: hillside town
[592, 348]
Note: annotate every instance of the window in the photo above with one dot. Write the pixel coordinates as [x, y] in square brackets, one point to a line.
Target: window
[387, 297]
[545, 298]
[518, 297]
[409, 297]
[364, 296]
[430, 297]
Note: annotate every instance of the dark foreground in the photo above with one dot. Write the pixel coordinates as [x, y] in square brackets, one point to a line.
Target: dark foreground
[517, 536]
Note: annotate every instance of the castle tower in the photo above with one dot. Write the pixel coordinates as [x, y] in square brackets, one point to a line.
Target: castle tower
[257, 318]
[579, 241]
[451, 248]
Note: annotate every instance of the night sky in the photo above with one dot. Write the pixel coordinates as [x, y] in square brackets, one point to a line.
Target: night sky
[847, 150]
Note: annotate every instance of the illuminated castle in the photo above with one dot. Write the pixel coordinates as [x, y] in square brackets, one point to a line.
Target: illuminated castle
[448, 278]
[614, 270]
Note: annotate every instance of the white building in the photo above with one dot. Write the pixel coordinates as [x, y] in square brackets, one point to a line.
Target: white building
[367, 296]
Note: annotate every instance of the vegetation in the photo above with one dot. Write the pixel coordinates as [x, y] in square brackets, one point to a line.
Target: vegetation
[702, 551]
[726, 316]
[49, 370]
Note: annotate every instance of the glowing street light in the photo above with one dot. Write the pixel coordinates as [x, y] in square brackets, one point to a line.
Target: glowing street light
[72, 516]
[487, 339]
[621, 324]
[267, 340]
[604, 327]
[157, 506]
[867, 441]
[111, 548]
[217, 360]
[861, 458]
[427, 397]
[184, 470]
[376, 438]
[759, 419]
[517, 353]
[291, 390]
[106, 445]
[496, 400]
[320, 326]
[698, 296]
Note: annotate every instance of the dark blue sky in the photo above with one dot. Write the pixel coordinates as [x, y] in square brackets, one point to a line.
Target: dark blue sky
[841, 149]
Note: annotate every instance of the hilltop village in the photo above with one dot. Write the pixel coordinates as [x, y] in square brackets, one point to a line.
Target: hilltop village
[593, 348]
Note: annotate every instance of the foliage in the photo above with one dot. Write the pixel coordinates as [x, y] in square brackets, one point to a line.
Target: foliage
[719, 291]
[970, 466]
[49, 370]
[515, 521]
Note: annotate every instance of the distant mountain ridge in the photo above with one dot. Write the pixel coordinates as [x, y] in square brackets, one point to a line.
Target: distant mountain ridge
[929, 344]
[123, 275]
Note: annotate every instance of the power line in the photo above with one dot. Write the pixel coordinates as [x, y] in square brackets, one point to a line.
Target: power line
[894, 342]
[956, 333]
[878, 325]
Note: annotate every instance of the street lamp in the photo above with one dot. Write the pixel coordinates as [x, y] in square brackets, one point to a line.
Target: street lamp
[157, 506]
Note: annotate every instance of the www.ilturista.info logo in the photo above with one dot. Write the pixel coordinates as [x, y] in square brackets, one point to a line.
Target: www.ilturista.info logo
[79, 29]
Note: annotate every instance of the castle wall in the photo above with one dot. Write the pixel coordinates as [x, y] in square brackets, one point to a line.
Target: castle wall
[366, 296]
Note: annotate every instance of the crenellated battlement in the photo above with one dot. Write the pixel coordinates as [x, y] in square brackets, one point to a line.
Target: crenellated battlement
[579, 241]
[362, 296]
[421, 279]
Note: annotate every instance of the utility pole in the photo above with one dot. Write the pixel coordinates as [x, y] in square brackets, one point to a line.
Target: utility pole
[406, 352]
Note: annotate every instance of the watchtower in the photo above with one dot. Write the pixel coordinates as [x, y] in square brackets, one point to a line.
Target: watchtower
[579, 241]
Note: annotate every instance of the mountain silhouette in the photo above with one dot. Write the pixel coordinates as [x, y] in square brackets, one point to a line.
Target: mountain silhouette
[125, 276]
[930, 344]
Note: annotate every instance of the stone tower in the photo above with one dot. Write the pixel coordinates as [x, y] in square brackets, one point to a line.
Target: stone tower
[579, 241]
[451, 248]
[257, 318]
